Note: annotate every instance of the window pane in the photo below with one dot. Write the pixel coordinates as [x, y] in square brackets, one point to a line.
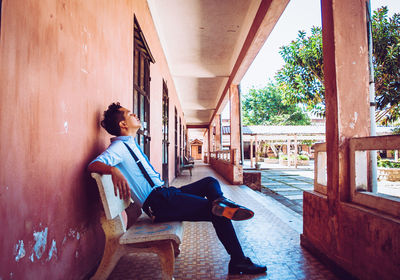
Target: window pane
[142, 108]
[141, 82]
[136, 68]
[388, 172]
[135, 102]
[141, 144]
[380, 176]
[321, 169]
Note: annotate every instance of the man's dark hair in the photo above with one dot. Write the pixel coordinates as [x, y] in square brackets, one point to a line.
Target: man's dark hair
[111, 120]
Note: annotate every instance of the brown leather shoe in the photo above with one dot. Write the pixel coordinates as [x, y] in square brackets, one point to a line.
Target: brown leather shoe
[229, 209]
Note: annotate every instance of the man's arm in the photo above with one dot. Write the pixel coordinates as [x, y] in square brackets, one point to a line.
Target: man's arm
[120, 183]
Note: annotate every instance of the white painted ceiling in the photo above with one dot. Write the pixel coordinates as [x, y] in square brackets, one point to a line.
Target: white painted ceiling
[202, 40]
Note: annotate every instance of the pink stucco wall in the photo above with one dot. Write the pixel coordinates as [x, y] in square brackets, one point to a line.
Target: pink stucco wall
[61, 64]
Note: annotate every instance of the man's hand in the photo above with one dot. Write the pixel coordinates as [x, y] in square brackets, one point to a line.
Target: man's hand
[118, 179]
[120, 184]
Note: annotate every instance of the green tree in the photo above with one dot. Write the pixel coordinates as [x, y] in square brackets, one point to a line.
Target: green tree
[386, 42]
[267, 106]
[302, 81]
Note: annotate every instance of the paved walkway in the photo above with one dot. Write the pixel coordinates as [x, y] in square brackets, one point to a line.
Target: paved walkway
[271, 237]
[285, 184]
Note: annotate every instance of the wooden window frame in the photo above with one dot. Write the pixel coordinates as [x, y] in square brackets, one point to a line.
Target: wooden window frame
[141, 86]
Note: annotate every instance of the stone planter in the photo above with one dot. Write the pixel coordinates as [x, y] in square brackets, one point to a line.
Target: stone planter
[299, 162]
[271, 160]
[303, 162]
[252, 180]
[388, 174]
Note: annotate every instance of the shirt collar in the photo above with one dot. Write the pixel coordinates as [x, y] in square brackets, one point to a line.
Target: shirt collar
[123, 138]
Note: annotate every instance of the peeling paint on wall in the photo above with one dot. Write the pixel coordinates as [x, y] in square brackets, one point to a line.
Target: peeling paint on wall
[19, 250]
[66, 127]
[53, 250]
[74, 234]
[40, 245]
[354, 120]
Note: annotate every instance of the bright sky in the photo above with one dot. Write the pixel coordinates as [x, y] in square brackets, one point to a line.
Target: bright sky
[299, 15]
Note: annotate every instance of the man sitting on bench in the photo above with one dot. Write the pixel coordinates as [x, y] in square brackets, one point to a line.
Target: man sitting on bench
[134, 176]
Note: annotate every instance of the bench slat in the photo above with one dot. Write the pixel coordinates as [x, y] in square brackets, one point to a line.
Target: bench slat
[112, 204]
[145, 231]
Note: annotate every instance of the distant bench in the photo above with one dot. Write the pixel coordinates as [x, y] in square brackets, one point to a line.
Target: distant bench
[186, 164]
[162, 239]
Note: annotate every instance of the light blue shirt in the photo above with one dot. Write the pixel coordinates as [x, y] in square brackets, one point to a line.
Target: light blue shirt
[118, 155]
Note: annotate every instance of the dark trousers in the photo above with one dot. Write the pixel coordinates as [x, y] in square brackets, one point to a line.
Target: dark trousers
[193, 202]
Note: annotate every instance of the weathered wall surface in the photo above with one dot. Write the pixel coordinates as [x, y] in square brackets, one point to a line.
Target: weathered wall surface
[366, 243]
[61, 64]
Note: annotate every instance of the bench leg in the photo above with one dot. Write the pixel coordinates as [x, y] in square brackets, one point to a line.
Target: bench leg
[165, 251]
[112, 253]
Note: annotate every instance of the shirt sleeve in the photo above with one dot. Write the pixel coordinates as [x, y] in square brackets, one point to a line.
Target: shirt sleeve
[111, 156]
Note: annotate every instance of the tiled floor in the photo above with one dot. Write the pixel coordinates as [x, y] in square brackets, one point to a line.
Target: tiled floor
[272, 237]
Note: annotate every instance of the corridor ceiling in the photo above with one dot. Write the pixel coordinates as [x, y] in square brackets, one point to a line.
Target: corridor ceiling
[202, 41]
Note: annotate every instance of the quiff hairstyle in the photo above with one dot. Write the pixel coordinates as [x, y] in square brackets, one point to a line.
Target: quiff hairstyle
[112, 117]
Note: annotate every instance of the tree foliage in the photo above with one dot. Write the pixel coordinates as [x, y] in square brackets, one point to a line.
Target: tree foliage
[302, 80]
[386, 59]
[267, 106]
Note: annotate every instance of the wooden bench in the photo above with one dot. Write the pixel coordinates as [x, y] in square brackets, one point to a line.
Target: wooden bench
[186, 165]
[162, 239]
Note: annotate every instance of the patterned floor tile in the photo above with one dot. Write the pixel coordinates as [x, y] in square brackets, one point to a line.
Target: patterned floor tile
[272, 238]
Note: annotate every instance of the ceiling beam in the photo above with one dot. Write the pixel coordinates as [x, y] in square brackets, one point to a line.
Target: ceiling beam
[197, 126]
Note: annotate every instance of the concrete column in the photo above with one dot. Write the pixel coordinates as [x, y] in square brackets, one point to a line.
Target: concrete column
[257, 149]
[218, 132]
[206, 147]
[288, 151]
[346, 85]
[251, 153]
[210, 141]
[235, 118]
[295, 151]
[346, 79]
